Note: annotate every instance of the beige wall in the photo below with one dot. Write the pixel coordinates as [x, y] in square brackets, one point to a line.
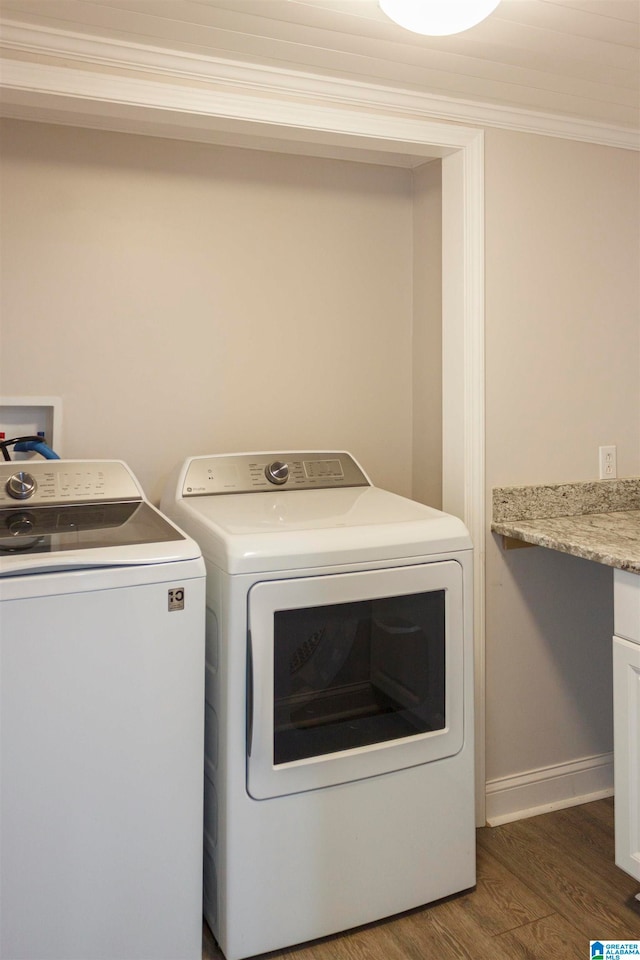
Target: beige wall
[426, 483]
[184, 299]
[562, 307]
[563, 377]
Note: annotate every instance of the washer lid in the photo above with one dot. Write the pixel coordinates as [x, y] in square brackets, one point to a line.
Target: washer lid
[245, 533]
[61, 515]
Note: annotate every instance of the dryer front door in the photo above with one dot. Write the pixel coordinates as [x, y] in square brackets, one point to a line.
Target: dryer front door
[353, 675]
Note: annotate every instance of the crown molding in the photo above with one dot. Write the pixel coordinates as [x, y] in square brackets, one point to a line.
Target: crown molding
[103, 75]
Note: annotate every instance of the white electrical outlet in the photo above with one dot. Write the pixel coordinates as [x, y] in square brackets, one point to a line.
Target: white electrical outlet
[608, 463]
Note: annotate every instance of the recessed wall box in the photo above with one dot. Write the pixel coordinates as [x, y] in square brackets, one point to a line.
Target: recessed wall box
[26, 416]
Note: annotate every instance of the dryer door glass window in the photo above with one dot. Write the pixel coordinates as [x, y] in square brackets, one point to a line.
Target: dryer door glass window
[352, 674]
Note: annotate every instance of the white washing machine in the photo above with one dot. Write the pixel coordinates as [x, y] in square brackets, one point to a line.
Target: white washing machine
[339, 718]
[102, 609]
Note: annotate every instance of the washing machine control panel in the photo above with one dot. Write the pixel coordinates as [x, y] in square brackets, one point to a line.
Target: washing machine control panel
[40, 482]
[254, 472]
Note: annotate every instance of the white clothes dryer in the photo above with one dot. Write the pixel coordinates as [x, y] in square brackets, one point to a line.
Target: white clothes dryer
[102, 609]
[339, 785]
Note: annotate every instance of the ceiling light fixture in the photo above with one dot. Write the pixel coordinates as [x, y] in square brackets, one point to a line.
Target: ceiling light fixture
[437, 18]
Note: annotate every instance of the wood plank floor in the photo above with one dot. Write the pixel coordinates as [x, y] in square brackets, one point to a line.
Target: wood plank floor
[546, 886]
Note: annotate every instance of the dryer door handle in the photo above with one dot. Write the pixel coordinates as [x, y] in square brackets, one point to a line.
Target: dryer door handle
[249, 695]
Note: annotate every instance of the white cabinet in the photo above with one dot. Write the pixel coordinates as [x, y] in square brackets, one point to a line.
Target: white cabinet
[626, 700]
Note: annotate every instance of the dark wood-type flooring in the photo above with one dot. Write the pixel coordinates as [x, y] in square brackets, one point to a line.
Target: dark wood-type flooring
[546, 886]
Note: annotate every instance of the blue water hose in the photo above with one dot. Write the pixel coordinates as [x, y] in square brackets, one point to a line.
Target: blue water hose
[40, 447]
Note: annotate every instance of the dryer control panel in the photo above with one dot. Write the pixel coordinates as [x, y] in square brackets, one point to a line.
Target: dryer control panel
[254, 472]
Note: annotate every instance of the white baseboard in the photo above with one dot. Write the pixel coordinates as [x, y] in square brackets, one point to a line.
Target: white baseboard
[550, 788]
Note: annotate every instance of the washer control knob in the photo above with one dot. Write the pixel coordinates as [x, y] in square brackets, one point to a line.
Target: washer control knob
[277, 472]
[21, 485]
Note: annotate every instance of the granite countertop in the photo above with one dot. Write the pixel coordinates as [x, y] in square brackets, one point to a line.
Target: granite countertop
[596, 520]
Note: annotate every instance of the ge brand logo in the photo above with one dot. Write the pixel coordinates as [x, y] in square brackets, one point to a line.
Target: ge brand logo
[176, 598]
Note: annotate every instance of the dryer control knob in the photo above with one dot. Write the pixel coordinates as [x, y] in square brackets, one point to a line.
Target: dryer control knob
[21, 485]
[277, 472]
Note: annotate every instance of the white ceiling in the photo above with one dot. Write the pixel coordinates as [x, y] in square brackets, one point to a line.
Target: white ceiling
[567, 58]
